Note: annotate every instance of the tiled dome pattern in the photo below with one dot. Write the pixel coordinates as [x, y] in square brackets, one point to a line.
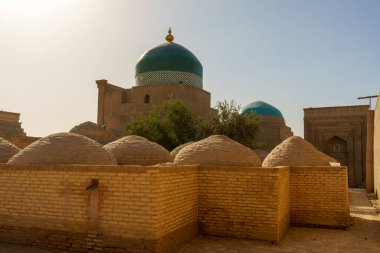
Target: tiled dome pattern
[169, 78]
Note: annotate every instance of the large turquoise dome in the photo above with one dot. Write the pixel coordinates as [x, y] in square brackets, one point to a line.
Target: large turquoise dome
[169, 56]
[261, 108]
[169, 64]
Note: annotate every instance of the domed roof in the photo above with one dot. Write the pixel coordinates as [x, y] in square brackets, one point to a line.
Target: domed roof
[90, 130]
[136, 150]
[169, 56]
[175, 151]
[7, 150]
[169, 63]
[217, 150]
[295, 151]
[261, 108]
[64, 148]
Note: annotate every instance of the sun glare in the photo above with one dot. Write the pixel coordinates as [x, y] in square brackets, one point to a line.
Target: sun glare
[34, 7]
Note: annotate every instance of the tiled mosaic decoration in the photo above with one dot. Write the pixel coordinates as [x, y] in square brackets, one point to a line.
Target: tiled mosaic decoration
[170, 78]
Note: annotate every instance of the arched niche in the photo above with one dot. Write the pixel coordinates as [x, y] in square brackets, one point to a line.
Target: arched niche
[336, 147]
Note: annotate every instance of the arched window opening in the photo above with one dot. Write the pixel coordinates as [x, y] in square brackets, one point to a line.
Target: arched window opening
[336, 144]
[146, 99]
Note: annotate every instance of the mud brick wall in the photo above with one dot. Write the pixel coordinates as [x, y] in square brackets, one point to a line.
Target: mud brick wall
[244, 202]
[319, 196]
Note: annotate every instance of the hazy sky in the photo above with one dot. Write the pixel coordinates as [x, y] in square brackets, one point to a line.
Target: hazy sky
[292, 54]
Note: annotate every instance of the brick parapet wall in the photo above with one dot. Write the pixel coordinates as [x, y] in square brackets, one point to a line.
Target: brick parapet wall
[124, 212]
[158, 208]
[319, 196]
[242, 202]
[177, 206]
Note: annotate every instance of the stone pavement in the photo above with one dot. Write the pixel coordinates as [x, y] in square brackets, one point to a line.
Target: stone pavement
[362, 237]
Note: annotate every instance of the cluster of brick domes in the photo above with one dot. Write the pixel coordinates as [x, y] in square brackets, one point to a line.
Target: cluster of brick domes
[71, 148]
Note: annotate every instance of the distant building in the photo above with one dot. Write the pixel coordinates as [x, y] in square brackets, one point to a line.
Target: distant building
[340, 132]
[166, 71]
[10, 125]
[10, 129]
[272, 127]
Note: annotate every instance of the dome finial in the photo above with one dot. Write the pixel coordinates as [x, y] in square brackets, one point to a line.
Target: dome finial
[169, 37]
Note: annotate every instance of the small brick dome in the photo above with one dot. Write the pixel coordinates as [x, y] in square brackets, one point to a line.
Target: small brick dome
[136, 150]
[90, 130]
[64, 148]
[175, 151]
[7, 150]
[295, 151]
[217, 150]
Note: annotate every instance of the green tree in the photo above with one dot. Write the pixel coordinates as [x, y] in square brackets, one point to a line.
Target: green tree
[229, 122]
[170, 124]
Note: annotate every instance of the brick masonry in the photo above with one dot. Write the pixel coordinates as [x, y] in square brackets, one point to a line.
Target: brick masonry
[319, 196]
[243, 202]
[159, 208]
[376, 148]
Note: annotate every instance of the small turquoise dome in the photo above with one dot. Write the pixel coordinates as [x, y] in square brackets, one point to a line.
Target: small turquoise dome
[261, 108]
[169, 56]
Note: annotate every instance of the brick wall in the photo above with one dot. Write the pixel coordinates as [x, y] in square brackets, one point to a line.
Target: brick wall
[49, 206]
[376, 148]
[283, 202]
[177, 206]
[319, 196]
[369, 152]
[159, 208]
[243, 202]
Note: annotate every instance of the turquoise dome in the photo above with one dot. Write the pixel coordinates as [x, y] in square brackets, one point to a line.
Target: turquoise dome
[261, 108]
[169, 56]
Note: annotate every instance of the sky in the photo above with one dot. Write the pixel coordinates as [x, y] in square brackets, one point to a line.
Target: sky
[293, 54]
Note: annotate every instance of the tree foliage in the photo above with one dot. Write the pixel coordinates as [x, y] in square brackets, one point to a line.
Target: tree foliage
[172, 124]
[228, 122]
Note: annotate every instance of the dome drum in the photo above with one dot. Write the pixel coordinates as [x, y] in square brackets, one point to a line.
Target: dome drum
[169, 78]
